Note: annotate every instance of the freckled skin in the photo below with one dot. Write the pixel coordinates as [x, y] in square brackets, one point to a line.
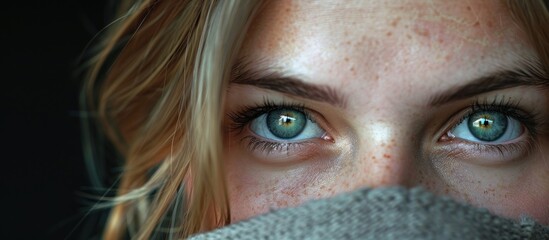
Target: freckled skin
[388, 58]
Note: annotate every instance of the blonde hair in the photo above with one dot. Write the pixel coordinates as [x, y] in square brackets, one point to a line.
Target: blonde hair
[160, 104]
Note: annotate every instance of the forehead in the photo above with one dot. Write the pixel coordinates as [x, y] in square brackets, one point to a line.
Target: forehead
[371, 34]
[285, 21]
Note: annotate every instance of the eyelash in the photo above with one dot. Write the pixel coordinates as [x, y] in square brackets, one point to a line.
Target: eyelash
[508, 107]
[240, 119]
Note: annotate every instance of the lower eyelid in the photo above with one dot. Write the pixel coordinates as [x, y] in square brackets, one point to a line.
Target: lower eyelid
[485, 154]
[283, 152]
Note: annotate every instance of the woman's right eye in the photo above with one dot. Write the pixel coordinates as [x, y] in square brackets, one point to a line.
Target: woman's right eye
[286, 124]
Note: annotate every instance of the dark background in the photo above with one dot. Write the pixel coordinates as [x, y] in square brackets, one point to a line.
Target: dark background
[42, 169]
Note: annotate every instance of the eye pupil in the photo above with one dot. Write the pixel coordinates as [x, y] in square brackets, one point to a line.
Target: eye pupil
[487, 126]
[286, 123]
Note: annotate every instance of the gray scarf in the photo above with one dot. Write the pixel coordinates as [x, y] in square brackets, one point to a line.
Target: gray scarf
[384, 213]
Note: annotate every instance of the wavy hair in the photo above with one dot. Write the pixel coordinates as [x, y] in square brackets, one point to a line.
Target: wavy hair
[156, 87]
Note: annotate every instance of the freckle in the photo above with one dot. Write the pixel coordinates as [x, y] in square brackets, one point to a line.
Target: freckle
[377, 77]
[346, 59]
[394, 23]
[386, 155]
[468, 8]
[348, 42]
[389, 34]
[373, 157]
[423, 32]
[476, 24]
[408, 36]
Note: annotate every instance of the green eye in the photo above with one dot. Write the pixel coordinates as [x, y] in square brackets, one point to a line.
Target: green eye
[286, 123]
[487, 126]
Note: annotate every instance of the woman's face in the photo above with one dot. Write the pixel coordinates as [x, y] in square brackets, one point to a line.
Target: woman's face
[330, 97]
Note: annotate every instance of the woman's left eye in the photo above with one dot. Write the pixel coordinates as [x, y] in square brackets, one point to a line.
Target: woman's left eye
[286, 124]
[488, 127]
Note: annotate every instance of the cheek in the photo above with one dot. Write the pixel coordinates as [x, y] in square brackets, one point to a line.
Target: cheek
[529, 194]
[251, 194]
[255, 187]
[510, 191]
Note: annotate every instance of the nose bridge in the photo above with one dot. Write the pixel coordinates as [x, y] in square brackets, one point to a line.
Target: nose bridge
[383, 156]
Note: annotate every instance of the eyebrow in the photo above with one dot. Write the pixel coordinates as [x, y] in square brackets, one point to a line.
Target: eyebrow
[532, 74]
[287, 85]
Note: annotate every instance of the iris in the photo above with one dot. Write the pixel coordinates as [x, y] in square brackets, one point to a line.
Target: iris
[487, 126]
[286, 123]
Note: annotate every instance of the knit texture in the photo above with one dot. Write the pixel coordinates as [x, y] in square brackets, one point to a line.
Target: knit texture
[382, 213]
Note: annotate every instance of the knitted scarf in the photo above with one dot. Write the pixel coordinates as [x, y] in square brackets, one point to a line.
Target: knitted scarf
[381, 213]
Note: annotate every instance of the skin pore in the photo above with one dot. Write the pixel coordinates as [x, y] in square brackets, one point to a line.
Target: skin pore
[380, 85]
